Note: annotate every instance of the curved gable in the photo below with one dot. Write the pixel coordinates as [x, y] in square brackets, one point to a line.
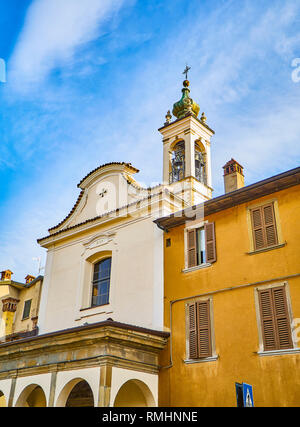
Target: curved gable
[105, 189]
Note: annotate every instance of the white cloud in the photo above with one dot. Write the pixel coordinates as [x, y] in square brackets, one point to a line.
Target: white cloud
[53, 30]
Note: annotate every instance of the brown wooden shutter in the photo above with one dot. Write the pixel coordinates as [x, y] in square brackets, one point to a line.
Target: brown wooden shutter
[193, 353]
[204, 332]
[283, 329]
[258, 232]
[275, 319]
[264, 227]
[269, 225]
[192, 248]
[267, 319]
[210, 242]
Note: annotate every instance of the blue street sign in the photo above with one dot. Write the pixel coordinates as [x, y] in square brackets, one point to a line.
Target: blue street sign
[244, 395]
[248, 396]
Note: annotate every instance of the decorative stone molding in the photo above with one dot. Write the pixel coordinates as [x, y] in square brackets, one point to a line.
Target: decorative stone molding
[10, 305]
[106, 343]
[100, 240]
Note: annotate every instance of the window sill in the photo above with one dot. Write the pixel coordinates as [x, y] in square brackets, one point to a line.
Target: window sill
[94, 307]
[270, 248]
[279, 352]
[197, 267]
[206, 359]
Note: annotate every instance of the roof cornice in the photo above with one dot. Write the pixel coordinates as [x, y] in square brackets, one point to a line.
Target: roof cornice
[246, 194]
[124, 166]
[94, 222]
[175, 122]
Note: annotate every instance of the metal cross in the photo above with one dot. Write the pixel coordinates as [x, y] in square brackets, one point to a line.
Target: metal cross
[187, 69]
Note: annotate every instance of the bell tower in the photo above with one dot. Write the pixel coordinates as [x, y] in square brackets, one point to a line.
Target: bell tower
[186, 141]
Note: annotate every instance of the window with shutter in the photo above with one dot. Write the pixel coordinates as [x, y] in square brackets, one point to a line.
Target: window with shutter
[192, 248]
[275, 322]
[193, 342]
[264, 227]
[199, 330]
[201, 245]
[27, 308]
[210, 242]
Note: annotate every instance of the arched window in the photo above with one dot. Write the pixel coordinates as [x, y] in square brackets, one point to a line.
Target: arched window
[101, 282]
[178, 163]
[200, 166]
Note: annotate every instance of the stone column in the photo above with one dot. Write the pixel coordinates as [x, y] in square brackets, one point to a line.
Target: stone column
[53, 371]
[105, 386]
[12, 390]
[189, 140]
[166, 165]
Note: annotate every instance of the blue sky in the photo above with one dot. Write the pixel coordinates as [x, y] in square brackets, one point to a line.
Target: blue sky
[90, 82]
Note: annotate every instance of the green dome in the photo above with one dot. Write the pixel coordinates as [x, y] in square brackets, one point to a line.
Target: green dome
[186, 105]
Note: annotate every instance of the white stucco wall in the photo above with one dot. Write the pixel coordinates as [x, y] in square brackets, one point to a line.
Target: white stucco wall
[136, 292]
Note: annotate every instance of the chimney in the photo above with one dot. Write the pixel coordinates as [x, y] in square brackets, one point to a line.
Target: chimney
[9, 307]
[233, 176]
[29, 279]
[6, 275]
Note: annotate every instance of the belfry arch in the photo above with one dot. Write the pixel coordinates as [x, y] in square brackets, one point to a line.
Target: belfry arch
[177, 162]
[134, 393]
[200, 163]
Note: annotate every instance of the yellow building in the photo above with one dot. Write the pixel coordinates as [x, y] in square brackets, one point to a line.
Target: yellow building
[19, 306]
[232, 300]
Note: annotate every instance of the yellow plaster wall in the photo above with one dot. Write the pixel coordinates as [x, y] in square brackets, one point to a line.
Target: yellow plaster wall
[32, 293]
[130, 396]
[2, 401]
[275, 379]
[7, 323]
[13, 322]
[37, 398]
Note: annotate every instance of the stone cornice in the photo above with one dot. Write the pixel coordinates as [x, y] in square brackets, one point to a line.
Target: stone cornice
[137, 208]
[181, 123]
[113, 166]
[106, 342]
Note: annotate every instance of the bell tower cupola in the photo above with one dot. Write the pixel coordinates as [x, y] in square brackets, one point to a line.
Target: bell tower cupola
[186, 140]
